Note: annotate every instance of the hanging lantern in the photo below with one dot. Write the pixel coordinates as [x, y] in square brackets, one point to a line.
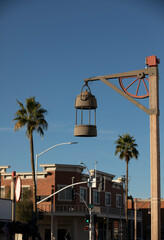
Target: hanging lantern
[86, 104]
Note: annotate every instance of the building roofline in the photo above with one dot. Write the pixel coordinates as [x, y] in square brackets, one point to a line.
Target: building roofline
[103, 173]
[57, 165]
[60, 164]
[3, 168]
[145, 199]
[24, 175]
[7, 166]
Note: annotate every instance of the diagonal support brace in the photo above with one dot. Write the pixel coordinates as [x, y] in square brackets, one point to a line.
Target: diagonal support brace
[148, 71]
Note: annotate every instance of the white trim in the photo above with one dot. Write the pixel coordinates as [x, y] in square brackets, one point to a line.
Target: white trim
[25, 175]
[3, 168]
[25, 186]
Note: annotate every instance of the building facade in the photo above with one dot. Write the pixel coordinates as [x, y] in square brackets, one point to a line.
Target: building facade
[143, 229]
[66, 212]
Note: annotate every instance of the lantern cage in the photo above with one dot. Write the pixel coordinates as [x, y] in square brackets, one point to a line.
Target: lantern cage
[85, 105]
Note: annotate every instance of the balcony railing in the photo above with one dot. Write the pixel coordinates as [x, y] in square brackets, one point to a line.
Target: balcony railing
[82, 210]
[63, 208]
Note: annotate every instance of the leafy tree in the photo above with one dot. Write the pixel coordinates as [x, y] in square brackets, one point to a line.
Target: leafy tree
[24, 207]
[8, 192]
[32, 116]
[127, 149]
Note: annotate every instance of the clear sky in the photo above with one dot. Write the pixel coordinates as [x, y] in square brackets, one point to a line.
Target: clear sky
[47, 48]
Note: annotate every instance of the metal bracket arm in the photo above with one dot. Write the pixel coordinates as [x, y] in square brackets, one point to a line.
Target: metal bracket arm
[148, 71]
[142, 107]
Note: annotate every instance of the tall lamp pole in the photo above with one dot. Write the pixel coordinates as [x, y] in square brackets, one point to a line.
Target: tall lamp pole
[36, 172]
[140, 77]
[37, 155]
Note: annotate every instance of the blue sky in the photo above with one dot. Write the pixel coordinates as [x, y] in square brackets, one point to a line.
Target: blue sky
[47, 48]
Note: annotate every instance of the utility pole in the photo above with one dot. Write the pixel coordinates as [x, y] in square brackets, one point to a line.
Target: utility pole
[141, 78]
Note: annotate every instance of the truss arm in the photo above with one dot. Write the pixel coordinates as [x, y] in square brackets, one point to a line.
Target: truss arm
[142, 107]
[149, 71]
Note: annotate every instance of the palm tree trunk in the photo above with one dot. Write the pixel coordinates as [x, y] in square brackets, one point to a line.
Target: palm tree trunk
[126, 197]
[33, 172]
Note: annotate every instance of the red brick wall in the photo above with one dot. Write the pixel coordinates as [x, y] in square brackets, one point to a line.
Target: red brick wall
[65, 178]
[44, 185]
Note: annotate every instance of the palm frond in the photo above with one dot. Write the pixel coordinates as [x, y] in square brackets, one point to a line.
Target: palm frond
[31, 115]
[20, 104]
[126, 146]
[18, 126]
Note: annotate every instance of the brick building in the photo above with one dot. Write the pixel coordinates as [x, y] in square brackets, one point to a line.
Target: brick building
[144, 228]
[67, 212]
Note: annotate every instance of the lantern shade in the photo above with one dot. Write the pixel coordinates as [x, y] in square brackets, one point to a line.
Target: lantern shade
[85, 131]
[85, 101]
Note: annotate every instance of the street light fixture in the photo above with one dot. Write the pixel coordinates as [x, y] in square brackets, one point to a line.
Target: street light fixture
[142, 78]
[37, 155]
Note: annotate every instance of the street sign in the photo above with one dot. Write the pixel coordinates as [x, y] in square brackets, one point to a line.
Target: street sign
[93, 182]
[18, 187]
[90, 206]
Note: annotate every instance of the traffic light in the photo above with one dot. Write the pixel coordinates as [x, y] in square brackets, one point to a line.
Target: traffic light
[87, 218]
[86, 228]
[102, 184]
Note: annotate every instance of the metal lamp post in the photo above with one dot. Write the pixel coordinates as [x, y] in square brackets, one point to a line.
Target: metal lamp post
[148, 80]
[36, 172]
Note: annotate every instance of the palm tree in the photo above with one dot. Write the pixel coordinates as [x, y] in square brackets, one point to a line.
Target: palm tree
[31, 116]
[127, 149]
